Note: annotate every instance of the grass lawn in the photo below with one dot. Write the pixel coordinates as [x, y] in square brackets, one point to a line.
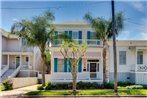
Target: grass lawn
[89, 92]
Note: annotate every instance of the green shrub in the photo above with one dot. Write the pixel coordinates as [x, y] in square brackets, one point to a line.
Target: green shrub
[2, 87]
[8, 85]
[125, 83]
[145, 86]
[40, 87]
[88, 85]
[48, 86]
[134, 87]
[108, 85]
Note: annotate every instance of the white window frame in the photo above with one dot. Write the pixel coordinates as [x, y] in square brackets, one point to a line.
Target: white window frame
[138, 57]
[60, 65]
[122, 62]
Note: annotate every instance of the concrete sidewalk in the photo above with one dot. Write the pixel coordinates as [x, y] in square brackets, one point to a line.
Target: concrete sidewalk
[16, 93]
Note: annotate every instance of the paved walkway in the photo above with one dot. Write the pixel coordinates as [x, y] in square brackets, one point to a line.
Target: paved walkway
[16, 93]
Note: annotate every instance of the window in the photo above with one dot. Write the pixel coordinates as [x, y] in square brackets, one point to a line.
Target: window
[75, 35]
[60, 65]
[24, 42]
[140, 57]
[27, 59]
[122, 57]
[92, 35]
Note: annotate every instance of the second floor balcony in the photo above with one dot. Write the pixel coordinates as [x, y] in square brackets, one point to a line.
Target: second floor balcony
[89, 42]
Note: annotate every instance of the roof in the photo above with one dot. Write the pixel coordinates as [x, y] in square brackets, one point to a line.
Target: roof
[7, 34]
[76, 22]
[141, 43]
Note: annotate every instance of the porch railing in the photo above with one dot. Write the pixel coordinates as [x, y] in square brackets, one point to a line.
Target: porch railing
[80, 76]
[139, 68]
[15, 72]
[90, 42]
[4, 69]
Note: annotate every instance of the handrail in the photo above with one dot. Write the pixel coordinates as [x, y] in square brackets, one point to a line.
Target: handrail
[90, 42]
[15, 72]
[4, 70]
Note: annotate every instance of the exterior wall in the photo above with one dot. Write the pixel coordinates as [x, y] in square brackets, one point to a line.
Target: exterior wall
[4, 60]
[122, 76]
[130, 59]
[13, 45]
[17, 82]
[4, 43]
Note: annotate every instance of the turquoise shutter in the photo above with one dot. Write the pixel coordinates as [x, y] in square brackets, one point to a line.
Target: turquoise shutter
[56, 37]
[80, 66]
[55, 64]
[65, 65]
[70, 34]
[80, 37]
[66, 33]
[88, 37]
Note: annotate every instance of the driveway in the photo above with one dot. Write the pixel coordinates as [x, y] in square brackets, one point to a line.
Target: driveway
[16, 93]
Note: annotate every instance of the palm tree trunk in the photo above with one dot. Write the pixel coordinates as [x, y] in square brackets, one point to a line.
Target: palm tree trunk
[43, 67]
[105, 65]
[74, 75]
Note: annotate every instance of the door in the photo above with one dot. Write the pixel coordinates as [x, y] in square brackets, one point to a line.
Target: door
[17, 61]
[93, 74]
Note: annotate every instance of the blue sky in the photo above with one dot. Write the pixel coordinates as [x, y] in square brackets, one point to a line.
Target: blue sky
[135, 24]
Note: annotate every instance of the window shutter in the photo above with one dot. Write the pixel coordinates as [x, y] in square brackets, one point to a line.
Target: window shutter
[55, 64]
[80, 37]
[70, 34]
[65, 65]
[88, 37]
[80, 66]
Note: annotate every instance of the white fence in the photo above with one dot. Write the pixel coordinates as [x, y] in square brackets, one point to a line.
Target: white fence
[22, 82]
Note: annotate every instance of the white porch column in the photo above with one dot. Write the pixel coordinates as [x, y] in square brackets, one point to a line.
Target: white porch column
[20, 60]
[8, 61]
[29, 64]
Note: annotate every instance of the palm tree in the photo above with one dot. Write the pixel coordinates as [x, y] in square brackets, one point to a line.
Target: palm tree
[103, 31]
[38, 32]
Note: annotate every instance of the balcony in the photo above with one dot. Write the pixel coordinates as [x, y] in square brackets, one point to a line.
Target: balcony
[89, 42]
[18, 49]
[139, 68]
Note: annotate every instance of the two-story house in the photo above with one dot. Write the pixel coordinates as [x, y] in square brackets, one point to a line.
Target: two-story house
[16, 58]
[131, 56]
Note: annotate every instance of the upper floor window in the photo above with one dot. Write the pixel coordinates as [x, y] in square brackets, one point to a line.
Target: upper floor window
[23, 42]
[75, 35]
[140, 57]
[122, 57]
